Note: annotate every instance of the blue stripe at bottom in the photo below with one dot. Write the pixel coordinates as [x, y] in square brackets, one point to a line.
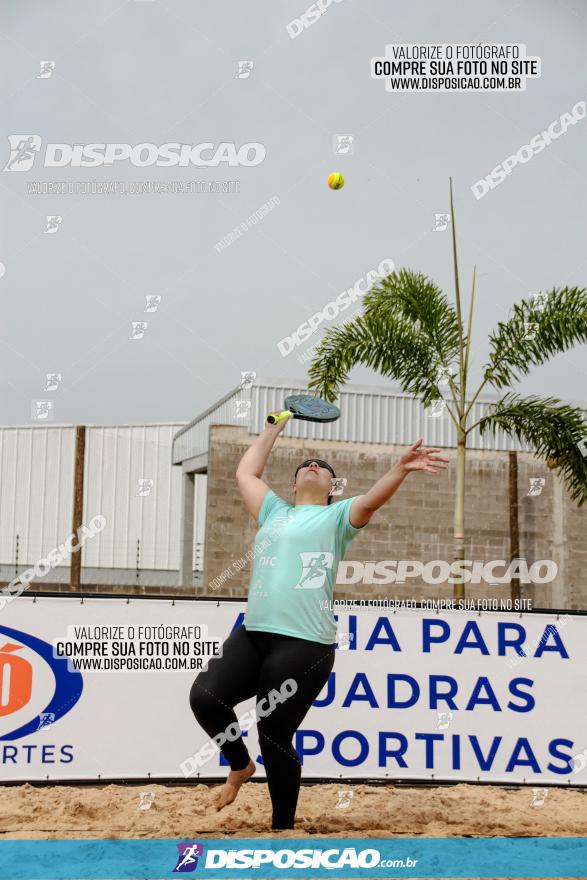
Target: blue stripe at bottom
[293, 857]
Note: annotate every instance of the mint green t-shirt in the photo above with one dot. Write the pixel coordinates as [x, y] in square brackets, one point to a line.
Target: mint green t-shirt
[297, 551]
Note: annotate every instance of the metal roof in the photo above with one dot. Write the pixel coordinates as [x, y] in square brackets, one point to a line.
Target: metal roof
[368, 415]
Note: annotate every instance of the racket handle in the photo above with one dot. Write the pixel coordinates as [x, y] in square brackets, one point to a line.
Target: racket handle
[275, 417]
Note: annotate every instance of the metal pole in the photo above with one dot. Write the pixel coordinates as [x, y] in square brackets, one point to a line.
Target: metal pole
[78, 504]
[514, 522]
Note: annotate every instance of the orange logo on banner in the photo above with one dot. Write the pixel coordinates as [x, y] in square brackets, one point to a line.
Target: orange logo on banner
[16, 679]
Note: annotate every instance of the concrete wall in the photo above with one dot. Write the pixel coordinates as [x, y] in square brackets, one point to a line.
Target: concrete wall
[416, 524]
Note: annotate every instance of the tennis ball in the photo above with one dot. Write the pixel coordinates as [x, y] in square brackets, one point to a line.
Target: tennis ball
[335, 180]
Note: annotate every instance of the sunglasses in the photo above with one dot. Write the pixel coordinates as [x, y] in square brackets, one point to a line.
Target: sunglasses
[319, 462]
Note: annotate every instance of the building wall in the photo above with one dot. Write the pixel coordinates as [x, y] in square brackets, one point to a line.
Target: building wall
[128, 478]
[416, 524]
[576, 542]
[36, 480]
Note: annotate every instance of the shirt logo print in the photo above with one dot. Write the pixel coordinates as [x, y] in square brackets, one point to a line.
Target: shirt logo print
[315, 566]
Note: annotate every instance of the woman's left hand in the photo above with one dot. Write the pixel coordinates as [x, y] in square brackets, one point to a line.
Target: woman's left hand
[423, 458]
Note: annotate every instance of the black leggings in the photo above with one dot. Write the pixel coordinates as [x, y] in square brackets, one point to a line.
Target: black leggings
[252, 664]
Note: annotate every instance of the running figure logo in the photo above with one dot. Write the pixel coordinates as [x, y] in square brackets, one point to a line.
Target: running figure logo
[314, 569]
[23, 149]
[189, 853]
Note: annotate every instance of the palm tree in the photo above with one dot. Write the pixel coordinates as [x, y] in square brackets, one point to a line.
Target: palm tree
[410, 333]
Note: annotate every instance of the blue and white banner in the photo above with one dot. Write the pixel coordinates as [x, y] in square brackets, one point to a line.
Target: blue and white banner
[293, 857]
[414, 694]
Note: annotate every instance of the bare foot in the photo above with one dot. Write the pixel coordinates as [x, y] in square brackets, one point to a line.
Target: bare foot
[230, 789]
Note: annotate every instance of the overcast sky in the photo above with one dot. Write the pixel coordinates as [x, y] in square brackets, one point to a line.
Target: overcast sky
[146, 71]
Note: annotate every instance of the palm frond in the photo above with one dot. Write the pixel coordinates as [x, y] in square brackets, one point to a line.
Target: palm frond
[533, 334]
[554, 431]
[415, 298]
[387, 342]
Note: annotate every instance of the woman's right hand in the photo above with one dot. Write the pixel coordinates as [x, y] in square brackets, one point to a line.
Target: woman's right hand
[278, 427]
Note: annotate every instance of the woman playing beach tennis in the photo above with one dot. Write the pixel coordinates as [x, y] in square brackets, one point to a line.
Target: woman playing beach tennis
[284, 651]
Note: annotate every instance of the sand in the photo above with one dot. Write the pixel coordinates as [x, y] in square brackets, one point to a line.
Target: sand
[112, 811]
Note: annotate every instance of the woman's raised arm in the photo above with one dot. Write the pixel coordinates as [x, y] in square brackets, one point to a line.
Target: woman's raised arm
[250, 470]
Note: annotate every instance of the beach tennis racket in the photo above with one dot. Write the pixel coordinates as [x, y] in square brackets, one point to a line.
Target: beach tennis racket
[307, 408]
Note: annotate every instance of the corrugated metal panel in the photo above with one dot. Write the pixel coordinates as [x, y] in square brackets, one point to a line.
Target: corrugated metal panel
[377, 417]
[36, 476]
[130, 480]
[368, 415]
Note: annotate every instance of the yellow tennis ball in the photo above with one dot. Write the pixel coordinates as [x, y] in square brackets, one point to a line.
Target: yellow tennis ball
[335, 180]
